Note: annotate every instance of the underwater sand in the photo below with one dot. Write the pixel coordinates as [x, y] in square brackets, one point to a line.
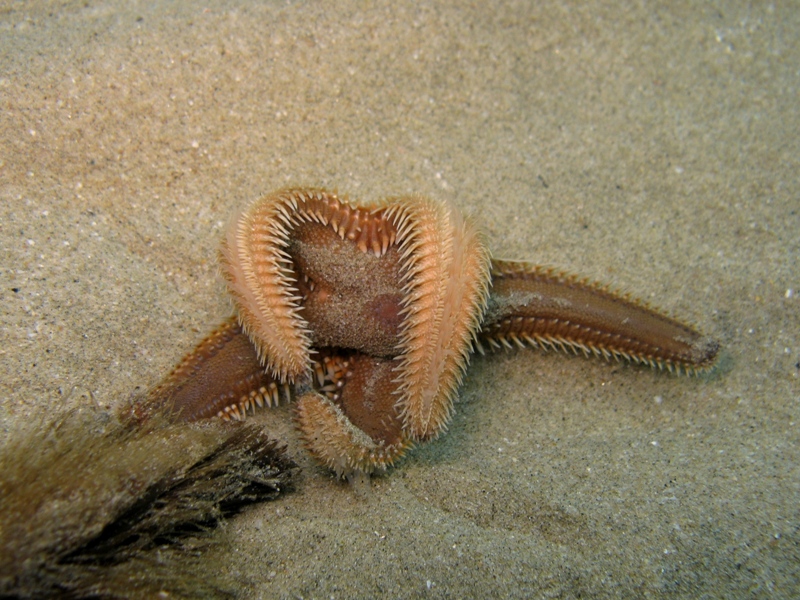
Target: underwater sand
[653, 148]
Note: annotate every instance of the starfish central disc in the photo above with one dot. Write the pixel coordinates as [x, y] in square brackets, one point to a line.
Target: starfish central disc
[406, 279]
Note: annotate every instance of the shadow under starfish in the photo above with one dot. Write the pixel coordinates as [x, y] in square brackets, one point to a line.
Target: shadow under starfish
[369, 314]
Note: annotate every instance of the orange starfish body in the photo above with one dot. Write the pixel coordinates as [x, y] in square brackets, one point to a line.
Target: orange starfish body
[369, 315]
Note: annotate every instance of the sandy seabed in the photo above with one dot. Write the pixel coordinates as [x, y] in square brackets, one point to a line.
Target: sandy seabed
[652, 147]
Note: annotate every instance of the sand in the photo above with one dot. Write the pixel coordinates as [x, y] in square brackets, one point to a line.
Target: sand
[654, 148]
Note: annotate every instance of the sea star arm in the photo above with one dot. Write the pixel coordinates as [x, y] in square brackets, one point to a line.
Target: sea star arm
[359, 428]
[222, 377]
[346, 410]
[546, 307]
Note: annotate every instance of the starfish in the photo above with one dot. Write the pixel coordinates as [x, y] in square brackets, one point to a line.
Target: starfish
[368, 315]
